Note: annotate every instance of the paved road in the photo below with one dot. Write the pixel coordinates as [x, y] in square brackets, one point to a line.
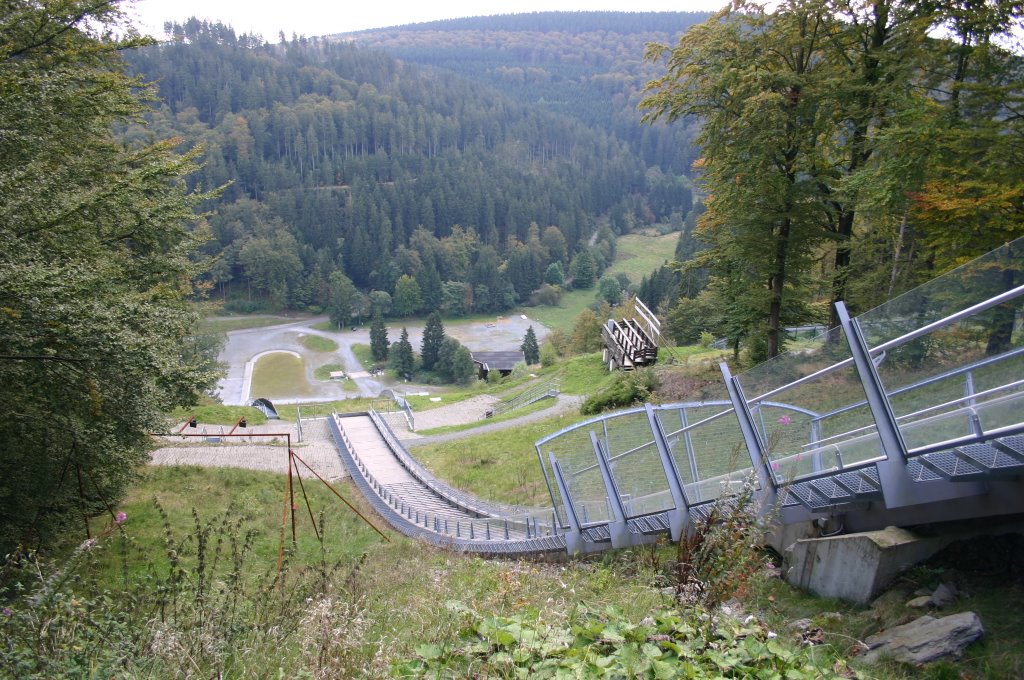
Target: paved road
[243, 346]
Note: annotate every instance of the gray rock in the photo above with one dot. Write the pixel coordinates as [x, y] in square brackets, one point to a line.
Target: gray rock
[925, 639]
[801, 624]
[944, 596]
[920, 602]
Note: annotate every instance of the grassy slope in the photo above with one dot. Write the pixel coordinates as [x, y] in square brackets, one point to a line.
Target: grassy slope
[420, 582]
[637, 255]
[388, 598]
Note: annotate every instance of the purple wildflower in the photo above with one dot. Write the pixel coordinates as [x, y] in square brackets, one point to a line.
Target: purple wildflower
[120, 518]
[8, 612]
[785, 420]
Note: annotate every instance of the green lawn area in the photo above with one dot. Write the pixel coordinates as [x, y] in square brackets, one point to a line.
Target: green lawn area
[324, 372]
[227, 324]
[209, 413]
[363, 354]
[637, 255]
[510, 415]
[279, 373]
[318, 343]
[500, 466]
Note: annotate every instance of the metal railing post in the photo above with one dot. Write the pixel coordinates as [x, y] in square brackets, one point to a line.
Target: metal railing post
[573, 538]
[617, 527]
[691, 455]
[680, 515]
[750, 436]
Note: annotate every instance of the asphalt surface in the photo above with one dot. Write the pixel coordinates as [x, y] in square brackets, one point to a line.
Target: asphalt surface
[243, 347]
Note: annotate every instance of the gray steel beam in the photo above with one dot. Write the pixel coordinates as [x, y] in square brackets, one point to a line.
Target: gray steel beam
[750, 436]
[679, 516]
[616, 527]
[573, 540]
[898, 487]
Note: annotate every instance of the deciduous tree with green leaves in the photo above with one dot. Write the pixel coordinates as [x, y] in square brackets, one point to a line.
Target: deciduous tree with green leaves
[340, 303]
[756, 79]
[96, 245]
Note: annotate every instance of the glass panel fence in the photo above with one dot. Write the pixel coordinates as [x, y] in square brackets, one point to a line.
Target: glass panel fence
[964, 376]
[810, 409]
[636, 464]
[708, 448]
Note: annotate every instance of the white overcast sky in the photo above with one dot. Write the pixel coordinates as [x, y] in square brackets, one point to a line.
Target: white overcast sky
[322, 17]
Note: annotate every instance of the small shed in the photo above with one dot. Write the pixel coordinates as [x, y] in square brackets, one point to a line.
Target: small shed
[503, 362]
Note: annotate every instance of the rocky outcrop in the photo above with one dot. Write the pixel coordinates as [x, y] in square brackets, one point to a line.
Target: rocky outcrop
[925, 639]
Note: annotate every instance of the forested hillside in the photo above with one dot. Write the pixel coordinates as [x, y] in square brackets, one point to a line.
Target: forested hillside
[347, 168]
[588, 65]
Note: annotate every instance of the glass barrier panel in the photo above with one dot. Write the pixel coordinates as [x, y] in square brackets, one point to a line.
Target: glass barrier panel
[810, 408]
[973, 283]
[719, 454]
[635, 462]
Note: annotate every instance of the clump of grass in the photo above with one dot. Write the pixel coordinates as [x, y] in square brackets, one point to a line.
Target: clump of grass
[318, 343]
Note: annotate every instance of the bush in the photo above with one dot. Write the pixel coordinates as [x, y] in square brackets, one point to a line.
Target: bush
[584, 644]
[628, 389]
[546, 295]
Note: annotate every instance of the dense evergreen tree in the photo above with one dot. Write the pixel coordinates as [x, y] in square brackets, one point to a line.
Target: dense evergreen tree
[553, 275]
[341, 158]
[530, 349]
[378, 339]
[402, 359]
[96, 342]
[433, 337]
[583, 270]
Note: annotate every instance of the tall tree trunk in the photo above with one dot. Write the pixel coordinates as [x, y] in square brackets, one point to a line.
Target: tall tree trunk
[776, 284]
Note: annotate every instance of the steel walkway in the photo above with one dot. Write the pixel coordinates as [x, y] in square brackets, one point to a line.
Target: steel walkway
[911, 413]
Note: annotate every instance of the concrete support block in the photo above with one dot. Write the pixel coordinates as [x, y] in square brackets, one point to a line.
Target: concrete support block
[856, 567]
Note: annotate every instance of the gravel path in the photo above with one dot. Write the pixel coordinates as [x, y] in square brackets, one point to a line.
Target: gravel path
[564, 404]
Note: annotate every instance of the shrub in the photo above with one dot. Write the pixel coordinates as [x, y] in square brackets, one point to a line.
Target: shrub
[723, 553]
[629, 388]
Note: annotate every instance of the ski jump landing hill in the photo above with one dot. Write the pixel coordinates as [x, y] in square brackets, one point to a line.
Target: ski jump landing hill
[911, 413]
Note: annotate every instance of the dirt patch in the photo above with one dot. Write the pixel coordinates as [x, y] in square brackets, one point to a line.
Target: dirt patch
[466, 411]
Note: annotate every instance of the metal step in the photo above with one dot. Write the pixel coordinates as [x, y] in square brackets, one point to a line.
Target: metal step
[920, 473]
[649, 524]
[863, 483]
[951, 466]
[992, 457]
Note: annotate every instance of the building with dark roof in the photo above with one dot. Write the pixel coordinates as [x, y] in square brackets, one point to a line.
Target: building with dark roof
[503, 362]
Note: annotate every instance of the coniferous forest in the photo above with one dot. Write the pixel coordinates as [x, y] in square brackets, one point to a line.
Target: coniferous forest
[345, 169]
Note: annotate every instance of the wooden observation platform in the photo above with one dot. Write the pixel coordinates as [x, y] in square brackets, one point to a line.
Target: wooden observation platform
[630, 343]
